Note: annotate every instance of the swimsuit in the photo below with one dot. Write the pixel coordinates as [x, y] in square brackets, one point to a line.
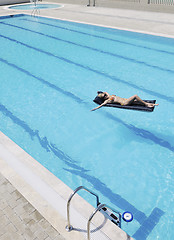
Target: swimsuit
[112, 97]
[122, 102]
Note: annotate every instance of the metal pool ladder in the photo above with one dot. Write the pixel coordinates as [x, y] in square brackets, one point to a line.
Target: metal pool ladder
[35, 10]
[103, 208]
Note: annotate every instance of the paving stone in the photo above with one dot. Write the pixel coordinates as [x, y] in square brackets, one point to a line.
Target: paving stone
[8, 211]
[6, 236]
[36, 216]
[48, 238]
[3, 189]
[4, 220]
[1, 213]
[34, 226]
[59, 237]
[10, 228]
[41, 235]
[10, 188]
[6, 195]
[19, 220]
[2, 230]
[52, 232]
[17, 236]
[12, 203]
[29, 208]
[3, 204]
[11, 236]
[15, 219]
[25, 217]
[16, 195]
[44, 223]
[28, 234]
[21, 201]
[19, 209]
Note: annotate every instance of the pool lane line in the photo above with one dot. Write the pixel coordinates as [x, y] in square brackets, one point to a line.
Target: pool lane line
[97, 36]
[67, 93]
[49, 147]
[169, 99]
[74, 167]
[137, 131]
[140, 132]
[132, 60]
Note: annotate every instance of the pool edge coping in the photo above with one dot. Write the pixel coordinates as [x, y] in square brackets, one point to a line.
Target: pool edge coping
[9, 7]
[43, 14]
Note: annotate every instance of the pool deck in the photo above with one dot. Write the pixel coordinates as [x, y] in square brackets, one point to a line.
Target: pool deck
[19, 219]
[26, 211]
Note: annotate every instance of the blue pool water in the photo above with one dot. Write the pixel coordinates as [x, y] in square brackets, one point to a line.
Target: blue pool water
[33, 6]
[50, 72]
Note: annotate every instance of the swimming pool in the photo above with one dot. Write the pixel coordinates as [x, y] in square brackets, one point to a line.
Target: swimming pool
[51, 70]
[33, 6]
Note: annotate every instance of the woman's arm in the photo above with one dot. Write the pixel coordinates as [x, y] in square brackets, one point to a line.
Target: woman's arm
[104, 103]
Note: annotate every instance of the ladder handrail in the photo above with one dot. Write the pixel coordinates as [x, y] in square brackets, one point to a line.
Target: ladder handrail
[69, 227]
[95, 211]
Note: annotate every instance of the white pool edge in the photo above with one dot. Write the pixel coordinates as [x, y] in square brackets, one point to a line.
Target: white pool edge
[106, 26]
[42, 13]
[49, 195]
[8, 7]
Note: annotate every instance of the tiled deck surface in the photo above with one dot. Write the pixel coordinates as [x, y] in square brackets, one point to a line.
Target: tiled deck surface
[19, 220]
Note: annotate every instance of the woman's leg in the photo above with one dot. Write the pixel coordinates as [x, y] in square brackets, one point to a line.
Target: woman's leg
[138, 100]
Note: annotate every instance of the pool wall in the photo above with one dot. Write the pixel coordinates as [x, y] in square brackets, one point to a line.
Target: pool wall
[6, 2]
[49, 195]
